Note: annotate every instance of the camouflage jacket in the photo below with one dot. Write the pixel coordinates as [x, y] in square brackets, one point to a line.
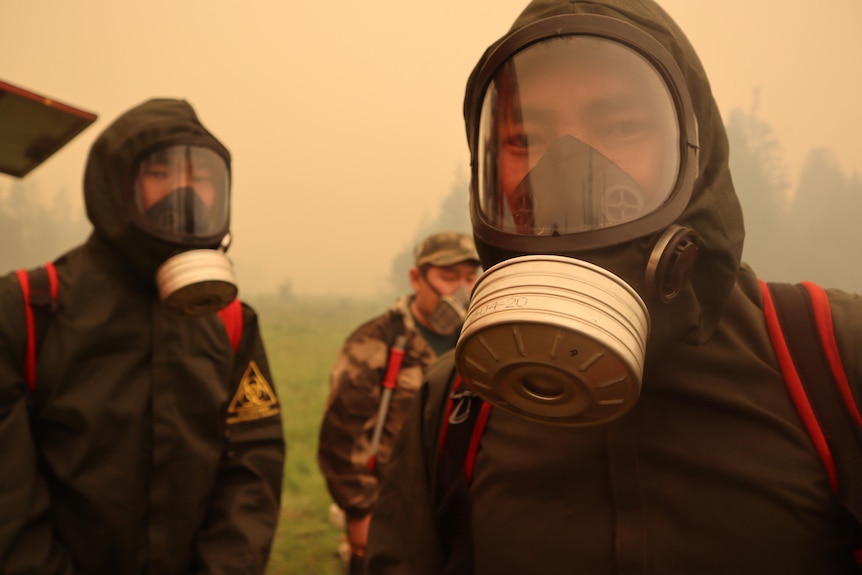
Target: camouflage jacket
[351, 409]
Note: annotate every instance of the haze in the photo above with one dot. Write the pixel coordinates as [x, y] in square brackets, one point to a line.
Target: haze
[344, 118]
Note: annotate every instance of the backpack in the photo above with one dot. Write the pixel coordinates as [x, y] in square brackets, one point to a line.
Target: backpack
[799, 321]
[40, 288]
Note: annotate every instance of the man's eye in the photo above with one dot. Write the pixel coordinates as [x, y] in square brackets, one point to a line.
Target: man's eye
[523, 141]
[156, 173]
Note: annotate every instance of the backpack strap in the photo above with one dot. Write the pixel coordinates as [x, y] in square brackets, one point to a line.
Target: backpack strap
[231, 317]
[470, 415]
[799, 320]
[460, 436]
[823, 318]
[39, 287]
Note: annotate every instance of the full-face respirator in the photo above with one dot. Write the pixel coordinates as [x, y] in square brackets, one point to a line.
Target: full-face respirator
[181, 195]
[584, 142]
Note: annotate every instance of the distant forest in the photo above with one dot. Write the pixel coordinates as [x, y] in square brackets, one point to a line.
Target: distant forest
[33, 231]
[806, 233]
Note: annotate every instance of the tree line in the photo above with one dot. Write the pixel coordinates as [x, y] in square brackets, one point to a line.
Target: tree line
[34, 231]
[802, 234]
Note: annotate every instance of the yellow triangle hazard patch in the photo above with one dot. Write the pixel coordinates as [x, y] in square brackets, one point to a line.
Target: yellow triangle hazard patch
[254, 399]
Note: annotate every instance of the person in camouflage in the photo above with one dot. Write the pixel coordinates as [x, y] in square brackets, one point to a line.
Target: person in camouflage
[429, 320]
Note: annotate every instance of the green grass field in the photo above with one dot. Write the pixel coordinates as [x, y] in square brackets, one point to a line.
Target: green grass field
[302, 338]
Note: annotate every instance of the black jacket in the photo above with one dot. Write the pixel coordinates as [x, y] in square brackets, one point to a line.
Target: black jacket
[712, 471]
[148, 445]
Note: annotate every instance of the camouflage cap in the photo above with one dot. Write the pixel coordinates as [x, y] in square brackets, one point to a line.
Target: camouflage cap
[446, 249]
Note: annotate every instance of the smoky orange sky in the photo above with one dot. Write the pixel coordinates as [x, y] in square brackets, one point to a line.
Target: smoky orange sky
[344, 118]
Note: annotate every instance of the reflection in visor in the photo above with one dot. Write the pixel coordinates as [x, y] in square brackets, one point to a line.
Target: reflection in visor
[576, 134]
[183, 191]
[574, 188]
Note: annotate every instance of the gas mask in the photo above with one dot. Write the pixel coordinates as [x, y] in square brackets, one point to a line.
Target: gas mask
[181, 195]
[584, 142]
[449, 313]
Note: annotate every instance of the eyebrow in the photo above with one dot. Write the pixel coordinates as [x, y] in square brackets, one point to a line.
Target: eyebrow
[617, 102]
[603, 106]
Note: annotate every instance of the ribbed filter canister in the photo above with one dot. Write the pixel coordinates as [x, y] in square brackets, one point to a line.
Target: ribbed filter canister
[196, 282]
[554, 340]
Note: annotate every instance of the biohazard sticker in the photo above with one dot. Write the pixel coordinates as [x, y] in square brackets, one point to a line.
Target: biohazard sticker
[254, 399]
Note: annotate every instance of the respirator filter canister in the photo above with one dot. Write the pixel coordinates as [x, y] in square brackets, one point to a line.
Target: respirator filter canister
[554, 340]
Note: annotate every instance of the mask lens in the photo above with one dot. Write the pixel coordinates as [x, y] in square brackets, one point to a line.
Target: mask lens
[182, 192]
[576, 133]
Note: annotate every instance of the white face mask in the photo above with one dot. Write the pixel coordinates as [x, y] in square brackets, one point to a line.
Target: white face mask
[449, 313]
[554, 340]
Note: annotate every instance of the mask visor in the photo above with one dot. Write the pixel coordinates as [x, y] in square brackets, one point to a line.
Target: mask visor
[577, 133]
[181, 192]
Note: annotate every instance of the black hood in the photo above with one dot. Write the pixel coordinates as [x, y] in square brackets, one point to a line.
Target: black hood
[713, 210]
[108, 179]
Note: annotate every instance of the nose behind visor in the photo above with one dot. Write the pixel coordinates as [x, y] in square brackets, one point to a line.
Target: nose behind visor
[573, 188]
[182, 212]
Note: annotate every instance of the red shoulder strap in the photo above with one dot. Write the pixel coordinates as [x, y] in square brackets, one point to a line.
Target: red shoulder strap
[799, 320]
[472, 416]
[52, 279]
[475, 440]
[794, 385]
[823, 319]
[460, 437]
[27, 290]
[30, 349]
[231, 317]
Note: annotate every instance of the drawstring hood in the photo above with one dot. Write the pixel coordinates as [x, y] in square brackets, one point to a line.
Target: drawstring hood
[712, 214]
[109, 181]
